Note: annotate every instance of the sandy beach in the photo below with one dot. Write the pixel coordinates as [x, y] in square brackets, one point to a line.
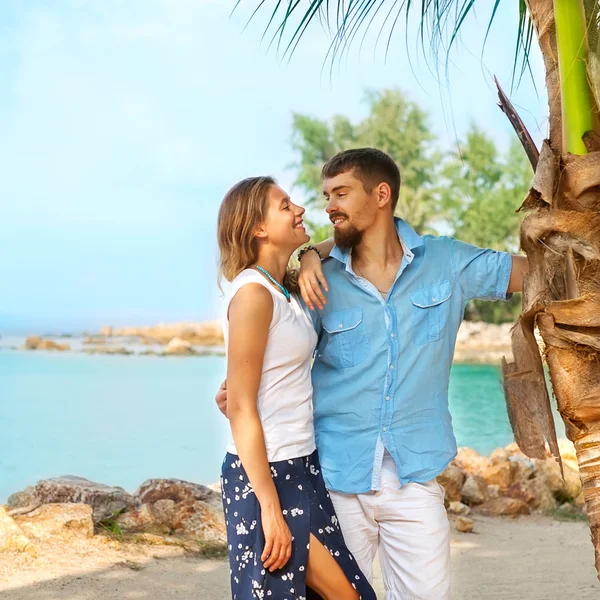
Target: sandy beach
[532, 558]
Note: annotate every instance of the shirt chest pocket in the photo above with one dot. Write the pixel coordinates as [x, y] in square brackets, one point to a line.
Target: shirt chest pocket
[431, 309]
[345, 343]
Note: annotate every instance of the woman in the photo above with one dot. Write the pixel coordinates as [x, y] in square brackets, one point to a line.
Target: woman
[283, 534]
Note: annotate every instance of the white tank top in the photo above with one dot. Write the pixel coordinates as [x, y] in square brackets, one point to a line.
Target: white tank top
[285, 392]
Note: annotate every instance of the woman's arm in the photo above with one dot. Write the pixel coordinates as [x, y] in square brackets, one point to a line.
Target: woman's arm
[311, 277]
[325, 247]
[250, 314]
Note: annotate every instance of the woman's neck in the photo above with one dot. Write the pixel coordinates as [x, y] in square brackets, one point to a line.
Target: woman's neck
[275, 264]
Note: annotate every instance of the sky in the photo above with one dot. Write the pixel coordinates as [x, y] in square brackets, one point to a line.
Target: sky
[122, 125]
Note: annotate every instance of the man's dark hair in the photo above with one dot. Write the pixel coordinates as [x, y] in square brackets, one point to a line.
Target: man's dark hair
[371, 167]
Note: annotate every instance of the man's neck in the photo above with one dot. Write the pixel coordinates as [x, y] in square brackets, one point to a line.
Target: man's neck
[380, 247]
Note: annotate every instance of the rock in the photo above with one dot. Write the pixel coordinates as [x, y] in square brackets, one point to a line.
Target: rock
[35, 342]
[64, 520]
[470, 461]
[198, 519]
[197, 334]
[580, 501]
[22, 499]
[503, 506]
[564, 489]
[549, 472]
[452, 480]
[500, 455]
[544, 498]
[106, 331]
[522, 491]
[458, 508]
[148, 353]
[172, 506]
[165, 511]
[464, 525]
[32, 342]
[107, 350]
[143, 519]
[94, 339]
[12, 537]
[179, 347]
[177, 490]
[474, 490]
[524, 467]
[568, 454]
[50, 345]
[501, 473]
[106, 501]
[493, 491]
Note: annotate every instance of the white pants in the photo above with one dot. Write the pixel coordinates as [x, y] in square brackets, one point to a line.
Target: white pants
[409, 526]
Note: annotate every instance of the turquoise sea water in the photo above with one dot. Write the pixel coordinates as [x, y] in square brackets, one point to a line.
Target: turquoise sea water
[121, 420]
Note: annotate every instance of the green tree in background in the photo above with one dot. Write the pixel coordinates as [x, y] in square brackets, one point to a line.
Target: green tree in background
[480, 190]
[396, 126]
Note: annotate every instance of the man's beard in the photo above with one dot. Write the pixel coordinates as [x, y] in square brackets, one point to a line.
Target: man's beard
[347, 238]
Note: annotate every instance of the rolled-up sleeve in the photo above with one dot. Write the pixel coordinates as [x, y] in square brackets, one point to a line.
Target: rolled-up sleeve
[481, 273]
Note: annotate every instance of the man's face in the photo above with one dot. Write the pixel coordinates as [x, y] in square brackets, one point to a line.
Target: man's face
[350, 207]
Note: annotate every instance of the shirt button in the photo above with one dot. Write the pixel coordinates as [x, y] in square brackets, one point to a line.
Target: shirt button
[434, 299]
[391, 366]
[340, 325]
[387, 397]
[385, 429]
[393, 335]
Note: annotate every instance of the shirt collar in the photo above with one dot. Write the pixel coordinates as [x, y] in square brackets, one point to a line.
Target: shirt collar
[409, 238]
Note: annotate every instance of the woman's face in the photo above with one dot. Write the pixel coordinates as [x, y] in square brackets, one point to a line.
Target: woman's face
[283, 226]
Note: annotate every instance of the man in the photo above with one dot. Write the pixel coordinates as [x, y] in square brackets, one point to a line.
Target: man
[387, 333]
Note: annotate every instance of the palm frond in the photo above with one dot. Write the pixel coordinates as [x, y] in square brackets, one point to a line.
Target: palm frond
[439, 24]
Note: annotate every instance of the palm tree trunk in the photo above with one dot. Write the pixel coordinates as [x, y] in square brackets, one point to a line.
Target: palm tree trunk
[561, 295]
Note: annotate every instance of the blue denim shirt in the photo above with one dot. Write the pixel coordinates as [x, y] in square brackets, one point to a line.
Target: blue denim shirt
[382, 366]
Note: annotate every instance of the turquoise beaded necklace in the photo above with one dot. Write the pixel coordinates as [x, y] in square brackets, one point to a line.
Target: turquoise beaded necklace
[282, 289]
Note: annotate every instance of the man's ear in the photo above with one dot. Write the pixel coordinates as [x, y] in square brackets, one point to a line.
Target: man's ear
[384, 194]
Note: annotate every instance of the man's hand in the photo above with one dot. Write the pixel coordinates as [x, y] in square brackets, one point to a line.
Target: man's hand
[221, 398]
[520, 266]
[311, 279]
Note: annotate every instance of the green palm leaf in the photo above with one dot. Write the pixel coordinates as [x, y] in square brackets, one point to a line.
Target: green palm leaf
[439, 21]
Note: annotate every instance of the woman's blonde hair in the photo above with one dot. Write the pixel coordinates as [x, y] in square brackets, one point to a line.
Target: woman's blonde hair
[242, 210]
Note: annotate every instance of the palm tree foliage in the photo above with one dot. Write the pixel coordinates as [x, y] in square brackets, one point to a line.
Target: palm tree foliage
[438, 23]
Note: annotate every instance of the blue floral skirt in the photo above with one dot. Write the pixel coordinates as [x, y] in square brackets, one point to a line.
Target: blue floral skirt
[306, 508]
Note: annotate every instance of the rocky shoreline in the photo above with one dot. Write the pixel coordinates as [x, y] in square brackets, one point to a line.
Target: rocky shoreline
[477, 342]
[178, 513]
[70, 509]
[178, 339]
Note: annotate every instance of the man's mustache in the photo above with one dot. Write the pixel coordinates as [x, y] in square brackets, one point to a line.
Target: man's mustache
[333, 216]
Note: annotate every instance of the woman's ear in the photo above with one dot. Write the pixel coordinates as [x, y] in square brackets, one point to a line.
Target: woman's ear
[260, 232]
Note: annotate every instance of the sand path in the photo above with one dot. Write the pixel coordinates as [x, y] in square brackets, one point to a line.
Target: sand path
[532, 558]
